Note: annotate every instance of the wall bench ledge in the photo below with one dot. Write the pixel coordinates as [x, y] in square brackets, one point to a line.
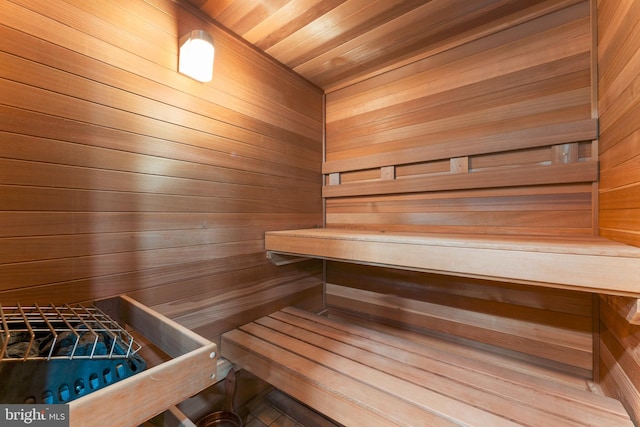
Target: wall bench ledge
[592, 264]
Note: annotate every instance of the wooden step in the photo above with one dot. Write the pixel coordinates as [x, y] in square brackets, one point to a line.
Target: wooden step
[358, 376]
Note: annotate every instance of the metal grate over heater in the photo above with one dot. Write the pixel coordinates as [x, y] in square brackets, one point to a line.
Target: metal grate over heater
[54, 354]
[69, 332]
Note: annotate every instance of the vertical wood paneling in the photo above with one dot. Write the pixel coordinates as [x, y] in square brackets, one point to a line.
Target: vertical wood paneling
[119, 175]
[533, 74]
[619, 108]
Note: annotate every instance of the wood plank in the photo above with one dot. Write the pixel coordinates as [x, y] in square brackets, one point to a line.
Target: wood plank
[533, 175]
[314, 32]
[111, 115]
[222, 306]
[617, 49]
[461, 112]
[41, 224]
[402, 212]
[348, 135]
[527, 223]
[154, 281]
[627, 308]
[560, 308]
[625, 198]
[541, 9]
[263, 76]
[221, 278]
[36, 174]
[593, 264]
[620, 165]
[73, 200]
[25, 249]
[51, 127]
[514, 140]
[378, 372]
[472, 370]
[308, 354]
[622, 129]
[514, 49]
[545, 198]
[39, 272]
[156, 388]
[618, 61]
[101, 74]
[483, 222]
[568, 347]
[621, 339]
[49, 152]
[503, 360]
[279, 367]
[445, 42]
[618, 384]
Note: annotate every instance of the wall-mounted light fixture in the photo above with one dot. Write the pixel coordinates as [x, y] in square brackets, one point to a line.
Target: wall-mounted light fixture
[196, 55]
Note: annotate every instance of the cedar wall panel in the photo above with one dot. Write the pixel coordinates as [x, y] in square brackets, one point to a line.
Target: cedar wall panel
[536, 74]
[619, 109]
[119, 175]
[550, 328]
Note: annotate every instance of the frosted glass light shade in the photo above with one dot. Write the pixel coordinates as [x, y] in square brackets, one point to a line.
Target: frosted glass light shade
[196, 55]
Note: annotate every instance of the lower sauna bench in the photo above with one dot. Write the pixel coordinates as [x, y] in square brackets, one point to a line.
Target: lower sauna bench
[361, 377]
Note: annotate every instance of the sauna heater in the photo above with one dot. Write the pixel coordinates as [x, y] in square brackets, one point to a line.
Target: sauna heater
[55, 354]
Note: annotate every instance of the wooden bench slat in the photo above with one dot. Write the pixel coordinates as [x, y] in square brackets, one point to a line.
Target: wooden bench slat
[342, 398]
[473, 360]
[380, 377]
[527, 400]
[423, 383]
[359, 376]
[531, 390]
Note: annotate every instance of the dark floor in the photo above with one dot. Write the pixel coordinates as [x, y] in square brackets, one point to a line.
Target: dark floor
[264, 414]
[279, 410]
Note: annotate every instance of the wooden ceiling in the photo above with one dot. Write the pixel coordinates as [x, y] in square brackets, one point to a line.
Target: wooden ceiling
[336, 42]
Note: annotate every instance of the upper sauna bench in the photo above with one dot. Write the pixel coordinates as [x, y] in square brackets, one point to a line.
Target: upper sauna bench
[590, 264]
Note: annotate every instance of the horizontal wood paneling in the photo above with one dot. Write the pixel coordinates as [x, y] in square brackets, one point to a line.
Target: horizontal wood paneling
[619, 107]
[119, 175]
[492, 212]
[565, 209]
[619, 359]
[462, 141]
[335, 43]
[497, 104]
[550, 328]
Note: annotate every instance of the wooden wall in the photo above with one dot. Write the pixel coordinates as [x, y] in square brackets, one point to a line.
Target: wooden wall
[477, 106]
[550, 328]
[619, 109]
[472, 139]
[119, 175]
